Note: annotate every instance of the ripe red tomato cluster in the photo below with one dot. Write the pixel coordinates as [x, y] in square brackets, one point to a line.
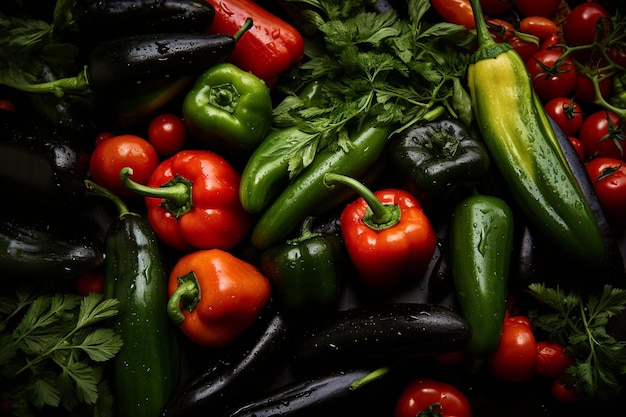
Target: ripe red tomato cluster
[520, 357]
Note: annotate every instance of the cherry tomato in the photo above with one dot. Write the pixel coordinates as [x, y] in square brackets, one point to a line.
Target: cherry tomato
[581, 23]
[90, 282]
[562, 393]
[551, 42]
[500, 30]
[455, 11]
[496, 6]
[543, 8]
[551, 359]
[551, 75]
[524, 48]
[422, 393]
[516, 357]
[585, 90]
[603, 134]
[566, 113]
[6, 104]
[115, 153]
[578, 147]
[167, 133]
[102, 137]
[608, 176]
[539, 26]
[617, 54]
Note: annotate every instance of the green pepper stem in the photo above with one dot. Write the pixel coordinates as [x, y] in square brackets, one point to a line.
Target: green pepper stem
[78, 85]
[247, 25]
[306, 231]
[186, 296]
[382, 215]
[177, 192]
[372, 376]
[99, 191]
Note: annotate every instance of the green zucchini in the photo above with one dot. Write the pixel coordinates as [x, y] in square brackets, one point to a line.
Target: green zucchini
[307, 193]
[380, 335]
[481, 243]
[146, 368]
[525, 149]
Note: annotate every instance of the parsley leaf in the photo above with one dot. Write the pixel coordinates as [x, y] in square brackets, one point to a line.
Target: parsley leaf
[54, 348]
[578, 323]
[371, 65]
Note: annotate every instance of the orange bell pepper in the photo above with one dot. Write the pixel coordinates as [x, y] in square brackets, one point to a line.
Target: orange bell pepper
[215, 296]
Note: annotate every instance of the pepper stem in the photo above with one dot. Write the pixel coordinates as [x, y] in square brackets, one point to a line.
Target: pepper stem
[306, 231]
[247, 25]
[186, 296]
[380, 216]
[99, 191]
[176, 192]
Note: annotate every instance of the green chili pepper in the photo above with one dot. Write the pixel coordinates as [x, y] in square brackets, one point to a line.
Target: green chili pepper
[307, 270]
[229, 108]
[439, 157]
[481, 243]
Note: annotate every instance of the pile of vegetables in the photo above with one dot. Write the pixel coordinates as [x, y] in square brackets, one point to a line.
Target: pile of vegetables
[312, 207]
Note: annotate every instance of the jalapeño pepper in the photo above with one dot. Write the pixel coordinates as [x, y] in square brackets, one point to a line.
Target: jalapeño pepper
[229, 108]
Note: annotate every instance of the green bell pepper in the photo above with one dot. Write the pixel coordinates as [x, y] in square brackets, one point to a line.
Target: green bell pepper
[439, 157]
[228, 108]
[307, 271]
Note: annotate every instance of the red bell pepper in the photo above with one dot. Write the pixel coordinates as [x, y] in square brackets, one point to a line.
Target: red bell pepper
[193, 201]
[387, 234]
[215, 296]
[267, 49]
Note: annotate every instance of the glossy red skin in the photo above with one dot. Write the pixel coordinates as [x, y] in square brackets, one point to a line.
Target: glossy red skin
[385, 257]
[584, 89]
[563, 394]
[566, 113]
[578, 147]
[455, 11]
[216, 219]
[551, 359]
[167, 133]
[543, 8]
[608, 176]
[515, 358]
[580, 26]
[539, 26]
[554, 84]
[524, 48]
[90, 282]
[269, 48]
[598, 137]
[117, 152]
[423, 392]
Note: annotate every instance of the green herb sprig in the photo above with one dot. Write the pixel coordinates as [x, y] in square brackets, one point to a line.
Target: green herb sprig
[579, 323]
[397, 69]
[53, 350]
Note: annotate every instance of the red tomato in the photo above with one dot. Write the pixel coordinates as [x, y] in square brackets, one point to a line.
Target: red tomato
[551, 42]
[102, 137]
[566, 113]
[551, 359]
[524, 48]
[118, 152]
[516, 357]
[585, 90]
[496, 6]
[551, 75]
[603, 134]
[500, 30]
[580, 26]
[90, 282]
[455, 11]
[7, 105]
[422, 393]
[562, 393]
[167, 133]
[539, 26]
[617, 54]
[608, 176]
[578, 147]
[543, 8]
